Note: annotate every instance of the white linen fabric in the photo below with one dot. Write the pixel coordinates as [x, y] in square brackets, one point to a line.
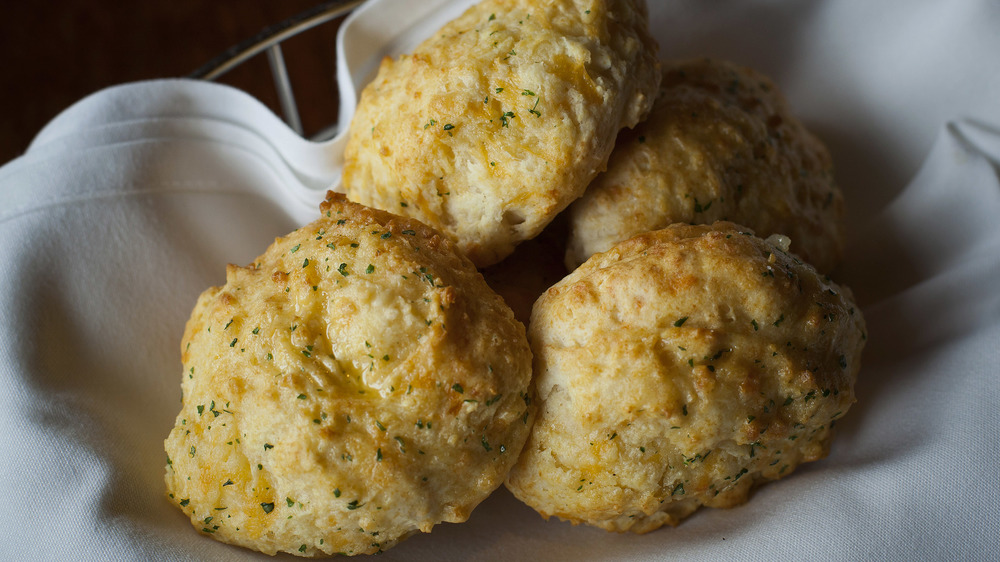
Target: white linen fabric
[131, 202]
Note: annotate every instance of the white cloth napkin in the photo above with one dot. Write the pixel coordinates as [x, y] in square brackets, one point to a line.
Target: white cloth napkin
[131, 202]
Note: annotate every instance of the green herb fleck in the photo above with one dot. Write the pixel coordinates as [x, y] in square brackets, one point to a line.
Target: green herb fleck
[534, 109]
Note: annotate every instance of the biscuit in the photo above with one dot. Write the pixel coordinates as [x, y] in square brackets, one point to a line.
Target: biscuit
[357, 383]
[720, 144]
[497, 122]
[679, 369]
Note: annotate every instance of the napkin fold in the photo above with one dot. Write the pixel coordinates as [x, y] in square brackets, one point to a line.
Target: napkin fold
[131, 202]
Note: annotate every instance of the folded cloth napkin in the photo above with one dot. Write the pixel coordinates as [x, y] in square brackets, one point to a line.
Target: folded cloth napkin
[131, 202]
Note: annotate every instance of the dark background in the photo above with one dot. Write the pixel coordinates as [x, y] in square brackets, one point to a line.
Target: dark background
[55, 53]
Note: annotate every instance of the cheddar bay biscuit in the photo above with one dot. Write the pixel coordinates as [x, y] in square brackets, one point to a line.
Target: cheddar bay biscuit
[497, 122]
[679, 369]
[721, 143]
[359, 382]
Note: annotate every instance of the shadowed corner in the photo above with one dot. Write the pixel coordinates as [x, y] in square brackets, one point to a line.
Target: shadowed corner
[933, 244]
[501, 528]
[869, 174]
[533, 267]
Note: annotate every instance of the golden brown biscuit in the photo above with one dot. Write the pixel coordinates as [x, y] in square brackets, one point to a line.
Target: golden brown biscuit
[679, 369]
[720, 144]
[357, 383]
[501, 119]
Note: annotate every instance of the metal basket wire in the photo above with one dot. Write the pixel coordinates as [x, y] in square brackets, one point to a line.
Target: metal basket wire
[269, 40]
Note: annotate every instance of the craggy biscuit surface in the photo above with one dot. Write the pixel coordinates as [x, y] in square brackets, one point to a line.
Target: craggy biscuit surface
[501, 119]
[721, 143]
[359, 382]
[679, 369]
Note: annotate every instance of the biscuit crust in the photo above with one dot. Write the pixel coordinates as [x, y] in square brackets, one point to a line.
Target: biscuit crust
[357, 383]
[496, 123]
[721, 143]
[679, 369]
